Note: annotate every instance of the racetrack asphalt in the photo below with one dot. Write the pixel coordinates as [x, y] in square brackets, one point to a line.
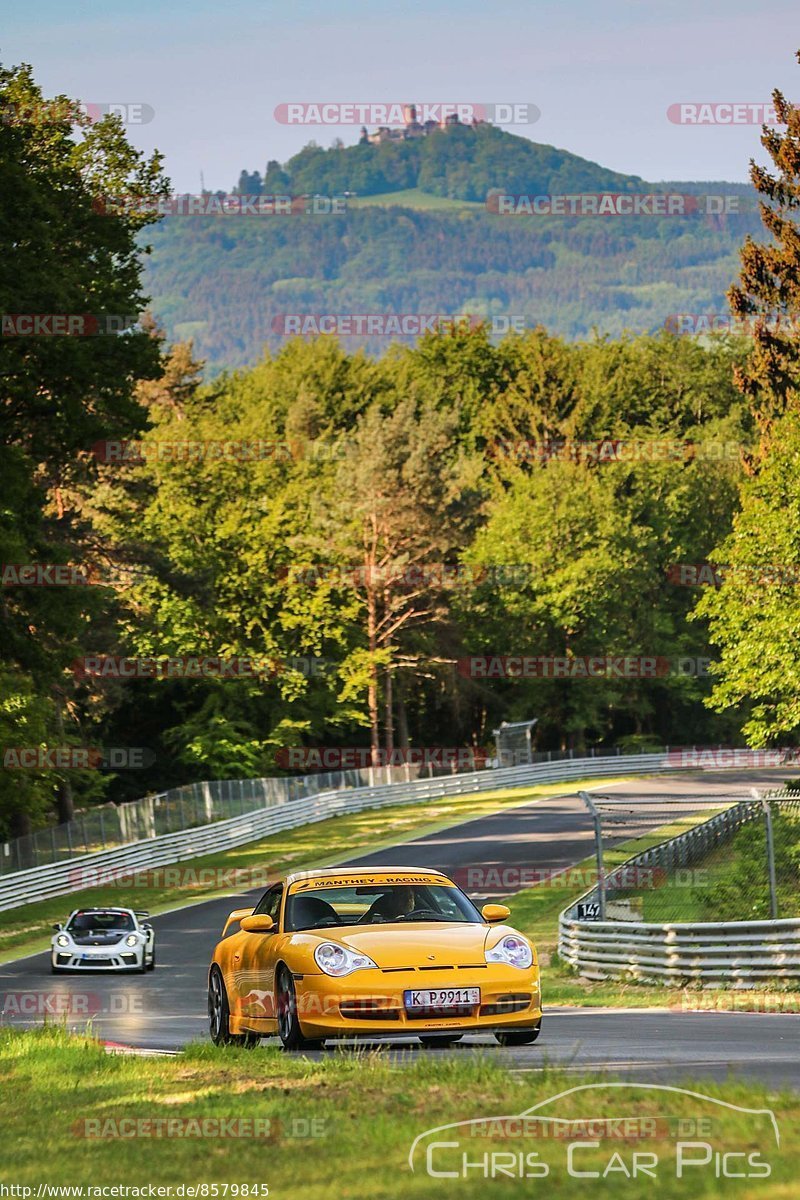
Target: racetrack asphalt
[165, 1009]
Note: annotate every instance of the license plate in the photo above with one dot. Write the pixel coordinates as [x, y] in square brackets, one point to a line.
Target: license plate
[443, 998]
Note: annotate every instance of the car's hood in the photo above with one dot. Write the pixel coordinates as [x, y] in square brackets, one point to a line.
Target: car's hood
[421, 943]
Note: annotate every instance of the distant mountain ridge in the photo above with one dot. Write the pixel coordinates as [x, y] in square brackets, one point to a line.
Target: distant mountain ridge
[230, 282]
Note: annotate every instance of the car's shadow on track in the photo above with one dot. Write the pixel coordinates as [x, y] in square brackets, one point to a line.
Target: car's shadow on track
[387, 1048]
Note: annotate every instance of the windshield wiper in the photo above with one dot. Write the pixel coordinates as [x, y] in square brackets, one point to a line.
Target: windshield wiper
[424, 917]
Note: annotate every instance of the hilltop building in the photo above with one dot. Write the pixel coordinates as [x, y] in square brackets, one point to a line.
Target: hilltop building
[412, 128]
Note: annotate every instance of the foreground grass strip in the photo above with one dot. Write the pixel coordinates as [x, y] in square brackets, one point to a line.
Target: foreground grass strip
[26, 930]
[71, 1114]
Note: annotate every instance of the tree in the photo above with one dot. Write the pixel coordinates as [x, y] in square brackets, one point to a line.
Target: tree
[249, 184]
[768, 291]
[61, 395]
[404, 506]
[754, 616]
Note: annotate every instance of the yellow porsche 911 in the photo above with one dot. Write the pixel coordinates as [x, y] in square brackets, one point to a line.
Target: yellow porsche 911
[371, 953]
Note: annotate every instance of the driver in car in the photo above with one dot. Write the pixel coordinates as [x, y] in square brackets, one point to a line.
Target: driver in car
[391, 905]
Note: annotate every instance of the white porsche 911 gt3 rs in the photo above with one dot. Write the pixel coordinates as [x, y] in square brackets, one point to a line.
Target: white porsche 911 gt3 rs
[104, 939]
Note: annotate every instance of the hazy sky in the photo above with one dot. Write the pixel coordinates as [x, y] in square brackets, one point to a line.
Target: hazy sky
[602, 74]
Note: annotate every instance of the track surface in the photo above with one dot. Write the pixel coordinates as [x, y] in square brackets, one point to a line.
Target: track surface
[166, 1009]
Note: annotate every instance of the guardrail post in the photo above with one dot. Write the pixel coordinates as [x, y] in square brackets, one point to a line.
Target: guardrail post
[598, 842]
[773, 886]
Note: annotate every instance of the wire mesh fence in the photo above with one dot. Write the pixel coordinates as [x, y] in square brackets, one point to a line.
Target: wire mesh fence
[109, 826]
[676, 858]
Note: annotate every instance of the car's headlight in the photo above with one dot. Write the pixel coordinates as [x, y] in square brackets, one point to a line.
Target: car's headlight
[513, 950]
[336, 960]
[62, 940]
[131, 940]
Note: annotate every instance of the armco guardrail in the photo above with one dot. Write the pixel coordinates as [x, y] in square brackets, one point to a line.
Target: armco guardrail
[110, 826]
[681, 952]
[732, 951]
[78, 872]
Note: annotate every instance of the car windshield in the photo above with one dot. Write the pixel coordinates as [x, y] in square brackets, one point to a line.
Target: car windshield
[101, 922]
[378, 904]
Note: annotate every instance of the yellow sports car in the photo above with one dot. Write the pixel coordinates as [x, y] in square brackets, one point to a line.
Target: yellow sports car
[371, 953]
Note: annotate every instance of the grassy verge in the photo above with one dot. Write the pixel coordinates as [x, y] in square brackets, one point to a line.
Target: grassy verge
[344, 1126]
[26, 930]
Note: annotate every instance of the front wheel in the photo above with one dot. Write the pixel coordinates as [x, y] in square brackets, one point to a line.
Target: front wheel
[289, 1030]
[151, 966]
[219, 1014]
[519, 1037]
[439, 1041]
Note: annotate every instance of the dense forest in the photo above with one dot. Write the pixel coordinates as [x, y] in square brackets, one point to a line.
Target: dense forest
[229, 282]
[329, 548]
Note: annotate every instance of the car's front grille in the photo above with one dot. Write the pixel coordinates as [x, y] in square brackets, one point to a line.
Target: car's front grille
[443, 967]
[356, 1012]
[514, 1002]
[128, 958]
[96, 962]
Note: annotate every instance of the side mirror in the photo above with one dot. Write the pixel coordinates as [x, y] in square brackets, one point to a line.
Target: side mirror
[233, 917]
[260, 923]
[57, 927]
[495, 912]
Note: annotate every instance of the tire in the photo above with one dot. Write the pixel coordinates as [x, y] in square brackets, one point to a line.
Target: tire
[151, 966]
[289, 1029]
[219, 1013]
[439, 1041]
[519, 1037]
[143, 967]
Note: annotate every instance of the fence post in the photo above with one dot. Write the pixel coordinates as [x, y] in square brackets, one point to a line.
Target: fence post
[773, 887]
[598, 842]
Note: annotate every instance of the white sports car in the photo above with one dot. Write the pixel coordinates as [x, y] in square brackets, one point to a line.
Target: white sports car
[104, 939]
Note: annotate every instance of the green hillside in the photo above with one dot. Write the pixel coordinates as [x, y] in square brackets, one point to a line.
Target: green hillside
[417, 237]
[226, 282]
[461, 163]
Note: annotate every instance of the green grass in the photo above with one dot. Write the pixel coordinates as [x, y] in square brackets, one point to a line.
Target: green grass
[535, 912]
[414, 198]
[731, 882]
[27, 929]
[343, 1126]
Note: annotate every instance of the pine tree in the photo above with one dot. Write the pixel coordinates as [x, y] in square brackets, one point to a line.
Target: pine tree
[768, 291]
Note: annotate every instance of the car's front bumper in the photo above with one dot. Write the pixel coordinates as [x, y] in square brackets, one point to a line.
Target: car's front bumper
[371, 1003]
[113, 958]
